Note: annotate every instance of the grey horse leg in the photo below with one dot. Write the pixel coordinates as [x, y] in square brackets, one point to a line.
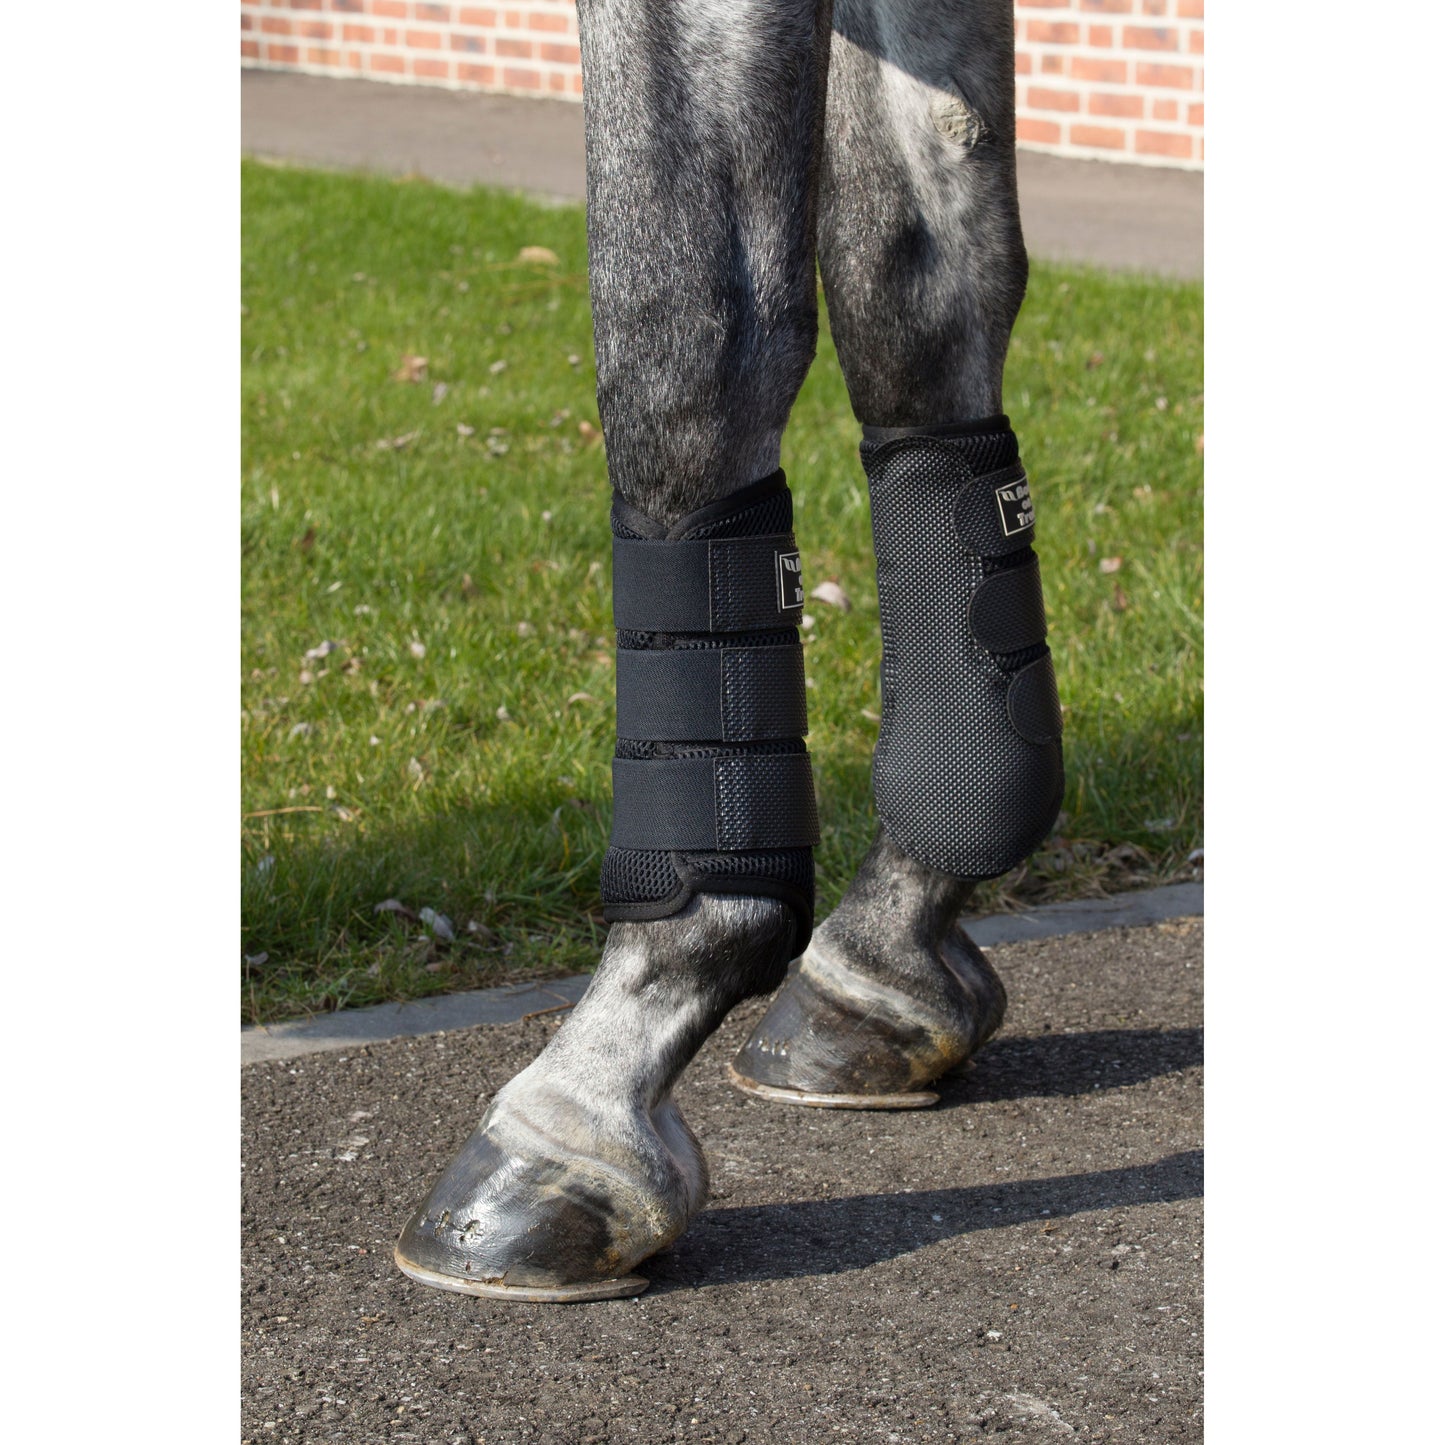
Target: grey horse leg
[703, 132]
[924, 269]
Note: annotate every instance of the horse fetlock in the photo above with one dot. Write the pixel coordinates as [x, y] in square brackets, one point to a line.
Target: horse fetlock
[866, 1030]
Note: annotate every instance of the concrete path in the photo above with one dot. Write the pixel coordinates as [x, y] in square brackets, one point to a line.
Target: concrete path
[1124, 217]
[351, 1028]
[1024, 1257]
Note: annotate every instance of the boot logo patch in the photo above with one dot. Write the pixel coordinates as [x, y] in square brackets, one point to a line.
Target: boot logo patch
[1015, 506]
[790, 581]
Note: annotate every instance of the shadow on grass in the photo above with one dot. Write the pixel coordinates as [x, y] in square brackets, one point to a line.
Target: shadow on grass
[834, 1236]
[518, 880]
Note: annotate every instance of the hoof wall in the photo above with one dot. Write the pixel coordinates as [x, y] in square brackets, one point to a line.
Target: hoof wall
[776, 1095]
[597, 1289]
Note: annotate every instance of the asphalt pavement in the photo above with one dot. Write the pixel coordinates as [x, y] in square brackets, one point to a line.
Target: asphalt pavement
[1022, 1259]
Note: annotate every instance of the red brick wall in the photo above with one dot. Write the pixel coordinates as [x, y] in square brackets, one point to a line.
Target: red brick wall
[528, 47]
[1119, 80]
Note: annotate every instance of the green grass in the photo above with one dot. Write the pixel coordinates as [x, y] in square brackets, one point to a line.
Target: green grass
[450, 536]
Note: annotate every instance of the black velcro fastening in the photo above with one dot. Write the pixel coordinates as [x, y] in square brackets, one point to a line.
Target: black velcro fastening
[715, 694]
[995, 514]
[704, 804]
[1006, 612]
[722, 584]
[1033, 702]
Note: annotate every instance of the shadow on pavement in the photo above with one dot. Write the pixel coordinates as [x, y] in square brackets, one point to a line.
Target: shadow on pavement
[1047, 1066]
[834, 1236]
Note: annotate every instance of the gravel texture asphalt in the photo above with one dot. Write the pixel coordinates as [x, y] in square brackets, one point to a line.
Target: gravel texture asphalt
[1023, 1259]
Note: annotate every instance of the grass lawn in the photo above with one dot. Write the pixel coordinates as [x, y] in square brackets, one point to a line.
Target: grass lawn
[427, 656]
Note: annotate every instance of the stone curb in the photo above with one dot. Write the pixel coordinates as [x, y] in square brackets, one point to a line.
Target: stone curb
[354, 1028]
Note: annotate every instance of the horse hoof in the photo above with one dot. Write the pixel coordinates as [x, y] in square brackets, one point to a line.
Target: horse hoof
[776, 1095]
[519, 1215]
[835, 1038]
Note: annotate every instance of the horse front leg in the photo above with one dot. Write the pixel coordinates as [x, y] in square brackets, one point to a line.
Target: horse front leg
[924, 268]
[703, 132]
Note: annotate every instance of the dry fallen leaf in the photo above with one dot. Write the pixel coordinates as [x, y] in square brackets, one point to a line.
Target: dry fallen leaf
[322, 649]
[1110, 564]
[588, 432]
[439, 393]
[537, 256]
[418, 649]
[439, 923]
[469, 588]
[832, 594]
[463, 430]
[412, 368]
[395, 905]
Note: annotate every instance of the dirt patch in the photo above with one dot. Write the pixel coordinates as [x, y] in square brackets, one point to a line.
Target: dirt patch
[1022, 1259]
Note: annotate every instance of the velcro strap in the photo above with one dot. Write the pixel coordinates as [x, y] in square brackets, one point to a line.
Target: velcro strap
[714, 804]
[721, 584]
[995, 513]
[1033, 702]
[1006, 612]
[712, 694]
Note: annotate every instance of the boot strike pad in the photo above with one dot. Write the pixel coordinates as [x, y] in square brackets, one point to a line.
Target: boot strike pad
[968, 772]
[712, 788]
